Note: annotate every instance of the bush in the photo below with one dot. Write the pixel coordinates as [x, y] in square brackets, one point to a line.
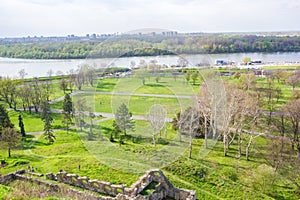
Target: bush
[230, 173]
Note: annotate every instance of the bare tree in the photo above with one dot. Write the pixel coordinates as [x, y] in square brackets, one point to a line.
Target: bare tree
[157, 119]
[182, 62]
[22, 73]
[204, 103]
[293, 80]
[190, 125]
[292, 109]
[248, 81]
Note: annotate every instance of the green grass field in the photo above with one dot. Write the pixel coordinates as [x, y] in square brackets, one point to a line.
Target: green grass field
[224, 177]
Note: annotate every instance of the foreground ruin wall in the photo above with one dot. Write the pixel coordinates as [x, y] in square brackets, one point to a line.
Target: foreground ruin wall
[163, 188]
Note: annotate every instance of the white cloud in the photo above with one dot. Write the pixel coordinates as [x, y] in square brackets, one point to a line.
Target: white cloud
[62, 17]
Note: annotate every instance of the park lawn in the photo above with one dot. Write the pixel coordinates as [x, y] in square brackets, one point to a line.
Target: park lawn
[33, 122]
[137, 105]
[106, 84]
[56, 91]
[67, 152]
[4, 190]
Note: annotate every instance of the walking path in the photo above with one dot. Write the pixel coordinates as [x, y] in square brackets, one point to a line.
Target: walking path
[108, 116]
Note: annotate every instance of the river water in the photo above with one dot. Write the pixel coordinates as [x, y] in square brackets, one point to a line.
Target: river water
[37, 68]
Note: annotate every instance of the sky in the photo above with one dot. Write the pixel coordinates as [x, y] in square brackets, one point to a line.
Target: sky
[21, 18]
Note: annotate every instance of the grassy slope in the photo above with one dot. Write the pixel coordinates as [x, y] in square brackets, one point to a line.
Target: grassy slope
[69, 151]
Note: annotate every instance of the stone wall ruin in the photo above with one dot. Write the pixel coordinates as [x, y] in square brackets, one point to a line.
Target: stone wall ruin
[162, 189]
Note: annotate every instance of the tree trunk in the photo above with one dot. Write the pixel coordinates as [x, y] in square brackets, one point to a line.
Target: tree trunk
[154, 141]
[191, 147]
[36, 109]
[9, 152]
[205, 132]
[299, 151]
[225, 145]
[247, 153]
[239, 145]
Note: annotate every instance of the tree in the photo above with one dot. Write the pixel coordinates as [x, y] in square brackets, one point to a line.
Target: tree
[157, 119]
[26, 94]
[293, 80]
[22, 73]
[21, 125]
[246, 60]
[80, 108]
[182, 62]
[191, 124]
[10, 138]
[63, 85]
[48, 120]
[188, 76]
[141, 73]
[4, 119]
[91, 116]
[204, 103]
[8, 92]
[116, 132]
[67, 111]
[248, 81]
[37, 94]
[123, 119]
[292, 109]
[72, 79]
[194, 77]
[271, 95]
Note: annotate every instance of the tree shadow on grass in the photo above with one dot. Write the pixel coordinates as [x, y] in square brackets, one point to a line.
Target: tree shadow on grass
[29, 158]
[105, 86]
[155, 85]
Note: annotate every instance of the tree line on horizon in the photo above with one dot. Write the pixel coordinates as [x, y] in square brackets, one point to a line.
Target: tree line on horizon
[150, 46]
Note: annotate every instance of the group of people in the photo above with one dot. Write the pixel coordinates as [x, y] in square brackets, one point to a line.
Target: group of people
[30, 169]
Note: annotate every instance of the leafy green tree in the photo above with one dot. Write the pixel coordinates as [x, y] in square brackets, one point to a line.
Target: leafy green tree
[21, 125]
[67, 111]
[92, 117]
[4, 119]
[80, 108]
[116, 131]
[123, 119]
[10, 138]
[63, 85]
[188, 76]
[194, 77]
[8, 92]
[246, 60]
[48, 120]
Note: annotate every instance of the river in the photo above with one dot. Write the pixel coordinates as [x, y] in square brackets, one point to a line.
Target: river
[37, 68]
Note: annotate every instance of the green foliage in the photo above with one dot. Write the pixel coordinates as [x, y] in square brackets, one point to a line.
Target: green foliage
[264, 178]
[4, 191]
[48, 120]
[123, 119]
[4, 119]
[230, 173]
[21, 125]
[151, 46]
[10, 138]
